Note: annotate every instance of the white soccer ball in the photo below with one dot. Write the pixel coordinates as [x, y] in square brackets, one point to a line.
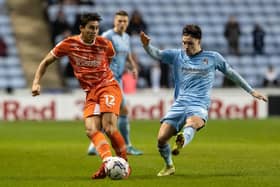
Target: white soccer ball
[116, 168]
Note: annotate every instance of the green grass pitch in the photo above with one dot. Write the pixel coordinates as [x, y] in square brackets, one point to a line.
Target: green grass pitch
[225, 153]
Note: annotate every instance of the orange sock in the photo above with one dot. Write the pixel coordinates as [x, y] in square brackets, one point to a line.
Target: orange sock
[118, 144]
[101, 145]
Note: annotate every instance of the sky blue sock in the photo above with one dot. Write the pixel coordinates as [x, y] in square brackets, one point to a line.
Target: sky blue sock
[165, 153]
[91, 149]
[124, 128]
[188, 133]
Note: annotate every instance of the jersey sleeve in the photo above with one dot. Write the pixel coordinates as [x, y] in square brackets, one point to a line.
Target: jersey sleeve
[61, 49]
[230, 73]
[221, 63]
[107, 35]
[165, 56]
[168, 55]
[110, 50]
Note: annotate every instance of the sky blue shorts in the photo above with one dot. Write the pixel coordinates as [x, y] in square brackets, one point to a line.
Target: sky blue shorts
[180, 112]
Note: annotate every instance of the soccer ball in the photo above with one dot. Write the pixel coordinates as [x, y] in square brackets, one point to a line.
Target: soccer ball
[116, 168]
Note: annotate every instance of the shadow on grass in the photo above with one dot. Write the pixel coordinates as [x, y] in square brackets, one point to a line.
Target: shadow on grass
[191, 176]
[45, 178]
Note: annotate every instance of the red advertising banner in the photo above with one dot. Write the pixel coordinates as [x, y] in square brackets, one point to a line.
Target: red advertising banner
[142, 106]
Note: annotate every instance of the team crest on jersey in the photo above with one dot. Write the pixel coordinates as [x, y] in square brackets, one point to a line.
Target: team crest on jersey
[205, 61]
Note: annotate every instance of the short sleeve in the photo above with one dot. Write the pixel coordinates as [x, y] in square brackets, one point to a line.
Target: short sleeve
[61, 49]
[106, 35]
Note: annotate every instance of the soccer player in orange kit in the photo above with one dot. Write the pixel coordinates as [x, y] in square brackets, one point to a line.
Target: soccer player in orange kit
[121, 42]
[90, 56]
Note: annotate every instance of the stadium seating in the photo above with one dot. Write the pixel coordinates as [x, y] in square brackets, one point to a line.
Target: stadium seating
[166, 18]
[11, 72]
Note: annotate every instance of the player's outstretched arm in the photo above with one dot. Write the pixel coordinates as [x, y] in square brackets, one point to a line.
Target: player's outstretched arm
[236, 77]
[36, 87]
[145, 39]
[259, 96]
[133, 64]
[154, 52]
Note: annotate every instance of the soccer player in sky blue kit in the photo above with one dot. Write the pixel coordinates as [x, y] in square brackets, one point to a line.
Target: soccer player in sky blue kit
[194, 74]
[121, 42]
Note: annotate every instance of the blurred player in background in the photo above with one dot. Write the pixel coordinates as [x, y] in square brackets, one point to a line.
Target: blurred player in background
[194, 74]
[121, 42]
[90, 55]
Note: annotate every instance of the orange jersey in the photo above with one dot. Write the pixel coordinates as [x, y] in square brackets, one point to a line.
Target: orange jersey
[90, 62]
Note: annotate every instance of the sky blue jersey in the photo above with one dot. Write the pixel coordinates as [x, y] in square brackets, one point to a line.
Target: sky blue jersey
[194, 76]
[121, 45]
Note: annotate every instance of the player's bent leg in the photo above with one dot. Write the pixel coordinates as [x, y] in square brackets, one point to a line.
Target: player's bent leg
[92, 124]
[103, 149]
[124, 128]
[109, 122]
[182, 139]
[165, 133]
[169, 168]
[193, 124]
[118, 144]
[179, 142]
[98, 139]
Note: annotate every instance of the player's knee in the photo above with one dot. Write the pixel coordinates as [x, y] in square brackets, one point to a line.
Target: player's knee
[90, 132]
[161, 140]
[196, 126]
[109, 127]
[196, 123]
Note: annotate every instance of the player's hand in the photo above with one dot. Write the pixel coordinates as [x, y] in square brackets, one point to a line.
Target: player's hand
[259, 96]
[36, 88]
[145, 39]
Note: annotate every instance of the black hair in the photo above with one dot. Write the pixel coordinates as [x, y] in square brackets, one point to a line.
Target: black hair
[85, 18]
[121, 13]
[192, 30]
